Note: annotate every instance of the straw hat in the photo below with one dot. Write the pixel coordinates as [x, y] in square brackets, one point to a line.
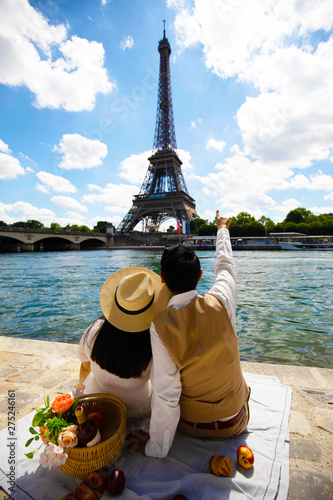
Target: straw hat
[131, 297]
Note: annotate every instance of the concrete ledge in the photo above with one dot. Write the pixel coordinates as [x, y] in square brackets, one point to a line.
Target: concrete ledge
[33, 368]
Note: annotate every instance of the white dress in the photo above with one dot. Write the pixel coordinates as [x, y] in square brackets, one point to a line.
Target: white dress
[135, 393]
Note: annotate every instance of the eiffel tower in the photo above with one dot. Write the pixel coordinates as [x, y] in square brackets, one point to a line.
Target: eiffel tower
[163, 194]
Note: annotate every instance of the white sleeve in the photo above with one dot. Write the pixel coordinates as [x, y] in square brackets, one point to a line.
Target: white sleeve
[88, 339]
[225, 286]
[165, 410]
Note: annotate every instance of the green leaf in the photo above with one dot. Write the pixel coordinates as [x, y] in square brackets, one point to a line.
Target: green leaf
[29, 442]
[32, 430]
[36, 438]
[29, 455]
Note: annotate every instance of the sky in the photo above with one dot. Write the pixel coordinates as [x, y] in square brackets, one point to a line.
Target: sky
[252, 88]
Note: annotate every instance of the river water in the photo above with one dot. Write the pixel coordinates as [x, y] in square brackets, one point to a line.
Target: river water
[285, 300]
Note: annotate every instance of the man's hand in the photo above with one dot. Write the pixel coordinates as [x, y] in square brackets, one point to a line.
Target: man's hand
[222, 221]
[138, 439]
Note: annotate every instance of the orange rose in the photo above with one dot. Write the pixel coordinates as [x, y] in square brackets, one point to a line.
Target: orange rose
[62, 403]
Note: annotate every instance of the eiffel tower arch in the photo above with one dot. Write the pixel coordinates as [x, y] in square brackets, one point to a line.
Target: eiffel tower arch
[163, 194]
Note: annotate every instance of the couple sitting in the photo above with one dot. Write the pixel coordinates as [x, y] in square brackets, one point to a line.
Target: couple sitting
[177, 358]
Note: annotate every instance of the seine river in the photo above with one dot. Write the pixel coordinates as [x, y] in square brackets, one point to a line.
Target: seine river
[285, 299]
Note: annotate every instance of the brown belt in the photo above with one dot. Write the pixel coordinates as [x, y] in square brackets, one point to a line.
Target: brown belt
[217, 424]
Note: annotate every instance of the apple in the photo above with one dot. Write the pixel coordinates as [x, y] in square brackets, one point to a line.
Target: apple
[245, 457]
[96, 417]
[115, 483]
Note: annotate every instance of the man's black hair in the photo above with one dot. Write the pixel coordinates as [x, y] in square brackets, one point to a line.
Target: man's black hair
[180, 268]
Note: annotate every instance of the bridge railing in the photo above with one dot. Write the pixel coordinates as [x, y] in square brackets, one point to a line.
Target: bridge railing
[10, 229]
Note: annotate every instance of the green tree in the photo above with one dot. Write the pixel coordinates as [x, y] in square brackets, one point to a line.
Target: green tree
[100, 226]
[31, 224]
[207, 229]
[195, 224]
[2, 223]
[84, 229]
[55, 226]
[244, 218]
[34, 224]
[171, 229]
[299, 215]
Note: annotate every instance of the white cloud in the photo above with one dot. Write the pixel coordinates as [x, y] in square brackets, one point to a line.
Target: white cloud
[4, 147]
[185, 157]
[54, 183]
[214, 144]
[25, 211]
[10, 167]
[322, 210]
[135, 167]
[60, 72]
[194, 123]
[69, 204]
[120, 195]
[233, 33]
[79, 152]
[127, 43]
[238, 181]
[290, 121]
[315, 182]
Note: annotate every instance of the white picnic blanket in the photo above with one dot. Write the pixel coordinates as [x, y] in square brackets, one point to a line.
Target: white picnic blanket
[185, 470]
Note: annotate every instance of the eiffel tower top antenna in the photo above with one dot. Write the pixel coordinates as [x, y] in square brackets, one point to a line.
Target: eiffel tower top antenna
[165, 135]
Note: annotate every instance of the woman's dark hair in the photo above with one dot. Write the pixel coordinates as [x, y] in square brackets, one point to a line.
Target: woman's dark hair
[180, 268]
[124, 354]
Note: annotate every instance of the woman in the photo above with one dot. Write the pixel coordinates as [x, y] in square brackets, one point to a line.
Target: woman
[115, 351]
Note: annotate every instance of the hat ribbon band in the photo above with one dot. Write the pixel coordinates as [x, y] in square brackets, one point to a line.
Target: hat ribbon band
[133, 313]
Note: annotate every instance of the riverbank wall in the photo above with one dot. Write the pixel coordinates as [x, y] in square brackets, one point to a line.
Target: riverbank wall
[34, 368]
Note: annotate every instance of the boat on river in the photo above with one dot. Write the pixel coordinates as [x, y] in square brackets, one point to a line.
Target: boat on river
[299, 245]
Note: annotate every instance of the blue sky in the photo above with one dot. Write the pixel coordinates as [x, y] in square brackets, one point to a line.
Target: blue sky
[252, 94]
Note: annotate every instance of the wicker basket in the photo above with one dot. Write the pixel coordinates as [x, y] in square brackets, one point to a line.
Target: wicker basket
[81, 461]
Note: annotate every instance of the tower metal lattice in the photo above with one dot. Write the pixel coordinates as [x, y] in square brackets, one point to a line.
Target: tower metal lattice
[163, 194]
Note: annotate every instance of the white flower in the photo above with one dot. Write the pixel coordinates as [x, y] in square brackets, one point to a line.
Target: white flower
[52, 456]
[67, 437]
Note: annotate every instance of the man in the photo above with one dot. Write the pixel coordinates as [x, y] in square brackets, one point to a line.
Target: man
[196, 376]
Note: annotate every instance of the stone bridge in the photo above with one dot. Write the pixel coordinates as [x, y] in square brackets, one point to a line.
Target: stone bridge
[32, 240]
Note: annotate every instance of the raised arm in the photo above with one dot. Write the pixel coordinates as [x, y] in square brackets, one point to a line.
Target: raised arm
[225, 286]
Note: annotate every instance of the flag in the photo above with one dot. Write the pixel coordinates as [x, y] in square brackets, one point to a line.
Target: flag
[177, 226]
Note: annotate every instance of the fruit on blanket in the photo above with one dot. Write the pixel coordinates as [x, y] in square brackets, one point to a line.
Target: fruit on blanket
[84, 492]
[220, 465]
[245, 457]
[97, 417]
[115, 483]
[96, 481]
